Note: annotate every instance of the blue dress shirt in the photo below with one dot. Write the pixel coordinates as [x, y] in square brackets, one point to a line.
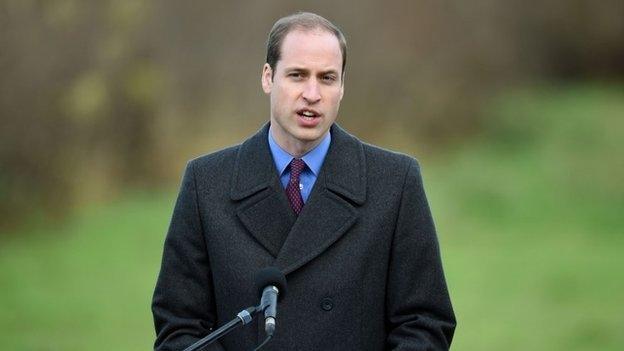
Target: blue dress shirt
[313, 159]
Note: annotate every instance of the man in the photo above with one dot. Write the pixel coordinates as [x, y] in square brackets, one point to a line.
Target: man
[346, 222]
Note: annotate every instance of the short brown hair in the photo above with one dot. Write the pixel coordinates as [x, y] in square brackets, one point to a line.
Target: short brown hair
[305, 21]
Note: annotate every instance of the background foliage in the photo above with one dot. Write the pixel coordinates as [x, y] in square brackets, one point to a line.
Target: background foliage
[514, 110]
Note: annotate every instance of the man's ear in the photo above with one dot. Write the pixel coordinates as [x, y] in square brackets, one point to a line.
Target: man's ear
[267, 78]
[342, 83]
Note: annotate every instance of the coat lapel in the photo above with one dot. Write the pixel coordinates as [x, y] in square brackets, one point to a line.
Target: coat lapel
[331, 209]
[329, 212]
[262, 205]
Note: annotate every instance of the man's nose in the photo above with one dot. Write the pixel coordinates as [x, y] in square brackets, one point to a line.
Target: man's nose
[312, 91]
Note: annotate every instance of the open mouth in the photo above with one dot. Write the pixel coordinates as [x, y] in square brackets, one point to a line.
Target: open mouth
[308, 114]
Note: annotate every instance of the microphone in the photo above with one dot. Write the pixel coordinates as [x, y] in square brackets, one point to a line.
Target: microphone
[271, 284]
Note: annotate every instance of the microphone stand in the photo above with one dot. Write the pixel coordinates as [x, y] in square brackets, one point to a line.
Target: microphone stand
[243, 317]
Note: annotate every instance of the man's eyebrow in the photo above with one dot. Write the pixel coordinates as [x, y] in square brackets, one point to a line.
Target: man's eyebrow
[305, 71]
[294, 68]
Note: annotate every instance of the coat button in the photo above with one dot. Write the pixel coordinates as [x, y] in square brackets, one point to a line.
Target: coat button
[327, 304]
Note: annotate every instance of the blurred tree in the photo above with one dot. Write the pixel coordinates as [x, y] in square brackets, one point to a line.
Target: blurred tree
[97, 96]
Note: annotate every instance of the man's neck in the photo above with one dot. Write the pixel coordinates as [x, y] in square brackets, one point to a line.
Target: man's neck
[296, 148]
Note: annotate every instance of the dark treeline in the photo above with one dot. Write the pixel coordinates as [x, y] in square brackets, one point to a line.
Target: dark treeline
[101, 96]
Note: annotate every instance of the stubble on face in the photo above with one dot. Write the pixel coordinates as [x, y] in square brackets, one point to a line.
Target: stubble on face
[305, 89]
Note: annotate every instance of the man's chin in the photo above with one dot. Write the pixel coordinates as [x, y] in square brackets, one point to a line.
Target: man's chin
[309, 135]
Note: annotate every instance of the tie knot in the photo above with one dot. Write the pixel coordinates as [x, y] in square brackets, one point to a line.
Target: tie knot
[296, 166]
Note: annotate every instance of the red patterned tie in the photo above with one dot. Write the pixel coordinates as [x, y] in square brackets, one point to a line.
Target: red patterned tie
[293, 191]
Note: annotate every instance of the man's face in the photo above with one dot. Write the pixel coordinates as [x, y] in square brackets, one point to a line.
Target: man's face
[305, 88]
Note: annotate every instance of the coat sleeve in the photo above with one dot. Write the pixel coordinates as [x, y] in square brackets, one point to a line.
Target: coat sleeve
[419, 311]
[183, 304]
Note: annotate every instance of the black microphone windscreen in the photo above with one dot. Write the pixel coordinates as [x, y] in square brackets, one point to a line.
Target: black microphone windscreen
[271, 276]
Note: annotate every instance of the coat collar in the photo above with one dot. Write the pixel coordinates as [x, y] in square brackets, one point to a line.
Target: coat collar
[254, 169]
[263, 208]
[344, 166]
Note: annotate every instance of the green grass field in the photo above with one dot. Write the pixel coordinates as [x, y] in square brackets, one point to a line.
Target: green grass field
[529, 215]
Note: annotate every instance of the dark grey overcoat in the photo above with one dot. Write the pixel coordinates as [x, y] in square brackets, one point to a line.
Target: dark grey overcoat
[362, 259]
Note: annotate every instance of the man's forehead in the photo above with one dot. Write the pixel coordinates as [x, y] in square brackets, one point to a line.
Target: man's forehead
[303, 46]
[304, 35]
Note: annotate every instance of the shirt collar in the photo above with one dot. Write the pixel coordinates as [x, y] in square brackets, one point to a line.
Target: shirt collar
[313, 159]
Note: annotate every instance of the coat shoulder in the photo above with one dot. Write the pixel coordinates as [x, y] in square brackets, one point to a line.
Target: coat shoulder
[219, 161]
[388, 162]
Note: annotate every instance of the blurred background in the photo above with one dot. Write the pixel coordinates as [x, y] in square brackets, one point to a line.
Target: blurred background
[515, 111]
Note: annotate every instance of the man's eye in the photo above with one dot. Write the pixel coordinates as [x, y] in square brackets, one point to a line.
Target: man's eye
[329, 78]
[295, 75]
